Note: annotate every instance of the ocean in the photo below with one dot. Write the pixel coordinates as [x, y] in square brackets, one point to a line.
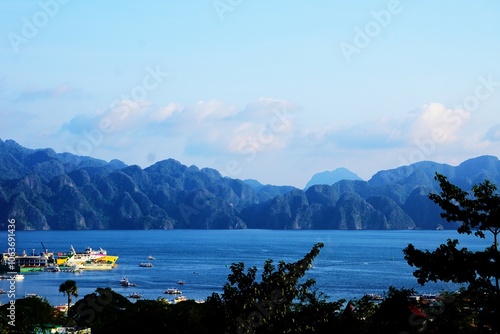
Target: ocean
[351, 264]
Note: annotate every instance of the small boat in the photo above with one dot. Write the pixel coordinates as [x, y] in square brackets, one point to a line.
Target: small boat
[32, 295]
[146, 265]
[151, 257]
[181, 282]
[18, 277]
[180, 299]
[172, 291]
[124, 282]
[2, 292]
[134, 295]
[373, 296]
[52, 268]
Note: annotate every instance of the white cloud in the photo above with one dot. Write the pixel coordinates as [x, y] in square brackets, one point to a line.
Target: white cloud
[263, 125]
[436, 122]
[210, 110]
[429, 122]
[204, 128]
[166, 112]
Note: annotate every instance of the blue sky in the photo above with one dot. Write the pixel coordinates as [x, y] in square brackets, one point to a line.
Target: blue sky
[268, 90]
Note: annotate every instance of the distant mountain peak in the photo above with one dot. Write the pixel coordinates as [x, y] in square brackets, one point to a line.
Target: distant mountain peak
[332, 177]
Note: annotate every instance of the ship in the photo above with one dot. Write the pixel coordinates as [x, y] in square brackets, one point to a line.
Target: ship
[24, 262]
[94, 265]
[90, 254]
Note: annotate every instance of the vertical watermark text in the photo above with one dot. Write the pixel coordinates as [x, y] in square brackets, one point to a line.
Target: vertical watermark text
[11, 263]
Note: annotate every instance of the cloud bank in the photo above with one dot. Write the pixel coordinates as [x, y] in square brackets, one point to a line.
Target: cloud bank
[267, 133]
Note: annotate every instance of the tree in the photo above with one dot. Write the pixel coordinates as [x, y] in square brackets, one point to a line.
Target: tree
[478, 212]
[278, 303]
[70, 289]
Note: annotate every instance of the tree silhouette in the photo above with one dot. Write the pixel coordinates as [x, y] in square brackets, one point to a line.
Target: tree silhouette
[478, 212]
[278, 301]
[70, 288]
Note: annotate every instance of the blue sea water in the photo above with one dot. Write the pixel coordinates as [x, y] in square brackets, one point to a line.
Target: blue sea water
[351, 264]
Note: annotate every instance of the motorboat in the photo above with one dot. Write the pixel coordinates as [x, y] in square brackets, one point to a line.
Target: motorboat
[172, 291]
[125, 282]
[146, 265]
[134, 295]
[151, 258]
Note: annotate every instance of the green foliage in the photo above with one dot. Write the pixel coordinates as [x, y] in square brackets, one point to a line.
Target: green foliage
[30, 312]
[69, 288]
[477, 212]
[280, 302]
[104, 310]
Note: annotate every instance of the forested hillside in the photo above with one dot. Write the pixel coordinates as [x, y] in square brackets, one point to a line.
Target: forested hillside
[42, 189]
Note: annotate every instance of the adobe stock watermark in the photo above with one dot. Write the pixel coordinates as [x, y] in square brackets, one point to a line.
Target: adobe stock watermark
[120, 110]
[223, 6]
[200, 202]
[436, 309]
[486, 87]
[92, 304]
[11, 263]
[31, 26]
[249, 148]
[371, 30]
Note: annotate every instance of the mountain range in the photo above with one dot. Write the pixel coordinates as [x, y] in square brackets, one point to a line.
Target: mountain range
[332, 177]
[42, 190]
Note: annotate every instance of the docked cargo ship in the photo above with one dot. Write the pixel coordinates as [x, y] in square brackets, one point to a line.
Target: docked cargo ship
[24, 262]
